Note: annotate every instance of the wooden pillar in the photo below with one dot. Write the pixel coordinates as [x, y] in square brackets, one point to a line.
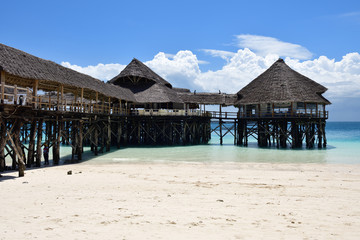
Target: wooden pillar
[17, 146]
[96, 138]
[73, 138]
[109, 105]
[62, 97]
[35, 90]
[220, 125]
[15, 94]
[38, 144]
[96, 102]
[82, 100]
[119, 132]
[31, 148]
[2, 144]
[58, 99]
[108, 139]
[80, 140]
[2, 86]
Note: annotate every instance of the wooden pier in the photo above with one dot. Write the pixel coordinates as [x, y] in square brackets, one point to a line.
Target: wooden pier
[45, 104]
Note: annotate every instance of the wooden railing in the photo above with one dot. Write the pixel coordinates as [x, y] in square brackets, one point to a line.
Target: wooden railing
[169, 112]
[225, 115]
[15, 95]
[23, 96]
[309, 113]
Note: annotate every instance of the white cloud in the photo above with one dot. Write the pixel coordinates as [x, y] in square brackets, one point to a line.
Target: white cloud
[180, 70]
[342, 78]
[350, 14]
[101, 71]
[264, 46]
[226, 55]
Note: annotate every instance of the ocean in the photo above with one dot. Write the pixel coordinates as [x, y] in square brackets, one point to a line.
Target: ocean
[343, 139]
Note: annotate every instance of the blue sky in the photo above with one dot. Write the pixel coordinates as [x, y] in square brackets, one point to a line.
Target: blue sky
[203, 45]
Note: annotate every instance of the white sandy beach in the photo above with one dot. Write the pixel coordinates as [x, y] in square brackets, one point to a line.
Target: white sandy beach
[182, 201]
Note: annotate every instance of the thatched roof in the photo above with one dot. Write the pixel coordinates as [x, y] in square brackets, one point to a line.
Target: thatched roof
[280, 83]
[154, 93]
[25, 67]
[147, 86]
[139, 71]
[181, 90]
[208, 98]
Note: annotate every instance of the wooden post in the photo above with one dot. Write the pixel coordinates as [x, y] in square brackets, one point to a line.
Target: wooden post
[220, 125]
[49, 102]
[80, 141]
[15, 94]
[35, 90]
[38, 145]
[2, 86]
[17, 146]
[96, 137]
[30, 159]
[109, 105]
[96, 102]
[120, 106]
[119, 132]
[2, 144]
[82, 99]
[62, 97]
[108, 139]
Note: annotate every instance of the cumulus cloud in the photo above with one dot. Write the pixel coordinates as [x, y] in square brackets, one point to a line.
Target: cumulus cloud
[181, 69]
[342, 78]
[226, 55]
[101, 71]
[264, 46]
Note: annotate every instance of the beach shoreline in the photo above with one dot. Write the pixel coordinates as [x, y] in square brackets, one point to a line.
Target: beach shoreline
[182, 200]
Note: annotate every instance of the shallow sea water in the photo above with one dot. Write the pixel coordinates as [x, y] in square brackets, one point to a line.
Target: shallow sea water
[343, 147]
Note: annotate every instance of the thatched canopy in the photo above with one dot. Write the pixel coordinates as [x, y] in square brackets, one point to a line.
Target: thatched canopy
[145, 84]
[22, 69]
[280, 84]
[208, 98]
[136, 71]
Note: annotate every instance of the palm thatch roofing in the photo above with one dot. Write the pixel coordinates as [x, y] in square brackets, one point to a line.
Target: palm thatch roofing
[145, 84]
[208, 98]
[138, 70]
[279, 84]
[23, 68]
[181, 90]
[154, 93]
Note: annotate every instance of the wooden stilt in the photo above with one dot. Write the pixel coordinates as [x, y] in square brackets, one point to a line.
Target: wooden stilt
[2, 144]
[31, 148]
[38, 144]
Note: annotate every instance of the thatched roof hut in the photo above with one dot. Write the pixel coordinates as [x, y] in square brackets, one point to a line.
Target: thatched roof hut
[280, 84]
[23, 69]
[136, 71]
[146, 85]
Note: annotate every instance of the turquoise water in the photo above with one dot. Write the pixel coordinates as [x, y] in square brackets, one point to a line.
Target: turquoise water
[343, 147]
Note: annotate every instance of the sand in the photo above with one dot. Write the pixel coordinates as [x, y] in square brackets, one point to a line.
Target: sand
[182, 201]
